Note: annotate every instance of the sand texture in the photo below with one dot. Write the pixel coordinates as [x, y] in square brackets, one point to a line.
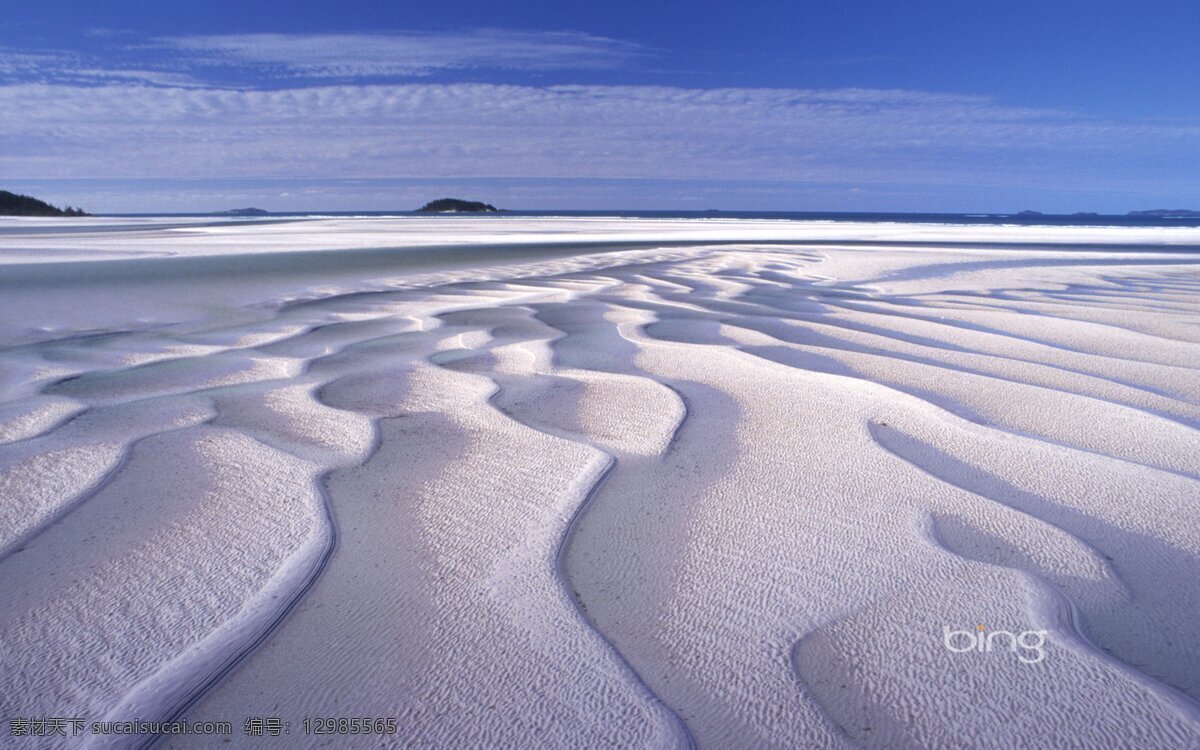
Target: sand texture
[522, 482]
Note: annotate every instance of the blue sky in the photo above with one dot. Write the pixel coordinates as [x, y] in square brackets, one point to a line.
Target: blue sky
[855, 106]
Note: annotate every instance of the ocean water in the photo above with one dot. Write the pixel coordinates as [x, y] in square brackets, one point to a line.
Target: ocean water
[996, 219]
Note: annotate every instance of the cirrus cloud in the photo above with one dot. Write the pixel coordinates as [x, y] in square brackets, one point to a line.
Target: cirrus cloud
[629, 132]
[401, 54]
[343, 106]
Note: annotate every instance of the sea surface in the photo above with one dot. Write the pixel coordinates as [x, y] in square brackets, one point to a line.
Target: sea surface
[996, 219]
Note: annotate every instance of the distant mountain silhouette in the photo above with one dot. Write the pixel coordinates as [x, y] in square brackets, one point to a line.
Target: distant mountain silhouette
[1030, 213]
[1161, 212]
[12, 204]
[446, 205]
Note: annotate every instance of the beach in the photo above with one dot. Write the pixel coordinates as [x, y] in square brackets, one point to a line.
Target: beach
[586, 481]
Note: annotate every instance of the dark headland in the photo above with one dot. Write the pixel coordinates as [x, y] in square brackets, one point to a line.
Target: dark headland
[12, 204]
[449, 205]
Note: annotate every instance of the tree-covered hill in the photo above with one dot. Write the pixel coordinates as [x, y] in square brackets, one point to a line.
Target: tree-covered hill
[12, 204]
[449, 205]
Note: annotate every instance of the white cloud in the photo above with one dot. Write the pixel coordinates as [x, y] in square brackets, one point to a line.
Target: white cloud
[19, 62]
[72, 67]
[848, 136]
[329, 106]
[179, 60]
[153, 77]
[405, 53]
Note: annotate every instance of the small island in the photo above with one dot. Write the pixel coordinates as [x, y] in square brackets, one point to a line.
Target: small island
[245, 212]
[1166, 213]
[12, 204]
[455, 205]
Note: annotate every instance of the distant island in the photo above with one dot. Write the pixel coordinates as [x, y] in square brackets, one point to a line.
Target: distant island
[1159, 213]
[451, 205]
[12, 204]
[245, 212]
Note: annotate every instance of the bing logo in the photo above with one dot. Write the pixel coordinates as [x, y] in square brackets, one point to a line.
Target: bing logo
[1028, 645]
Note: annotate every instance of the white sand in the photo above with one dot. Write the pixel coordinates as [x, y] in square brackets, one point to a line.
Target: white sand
[594, 482]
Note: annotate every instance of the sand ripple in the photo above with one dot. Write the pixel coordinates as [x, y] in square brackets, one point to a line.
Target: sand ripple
[719, 494]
